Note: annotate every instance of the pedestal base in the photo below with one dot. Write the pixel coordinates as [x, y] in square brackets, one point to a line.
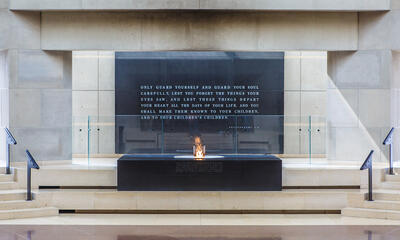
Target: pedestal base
[229, 173]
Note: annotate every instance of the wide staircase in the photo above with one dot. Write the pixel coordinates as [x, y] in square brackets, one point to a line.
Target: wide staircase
[13, 204]
[386, 204]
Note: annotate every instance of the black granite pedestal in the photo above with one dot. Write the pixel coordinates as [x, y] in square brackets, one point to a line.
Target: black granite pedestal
[229, 173]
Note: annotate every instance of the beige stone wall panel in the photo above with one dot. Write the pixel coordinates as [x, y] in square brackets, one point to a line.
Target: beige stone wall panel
[199, 31]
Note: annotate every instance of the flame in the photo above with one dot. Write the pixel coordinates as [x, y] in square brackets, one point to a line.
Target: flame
[198, 149]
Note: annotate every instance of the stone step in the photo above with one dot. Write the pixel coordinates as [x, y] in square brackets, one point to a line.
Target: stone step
[392, 178]
[371, 213]
[19, 204]
[3, 171]
[378, 204]
[12, 195]
[391, 185]
[8, 185]
[6, 177]
[28, 213]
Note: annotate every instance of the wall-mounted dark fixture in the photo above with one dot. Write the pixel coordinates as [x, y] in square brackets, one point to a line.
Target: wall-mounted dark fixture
[31, 163]
[10, 140]
[368, 165]
[388, 141]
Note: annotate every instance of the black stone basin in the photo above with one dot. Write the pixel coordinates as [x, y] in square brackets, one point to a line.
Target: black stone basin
[186, 173]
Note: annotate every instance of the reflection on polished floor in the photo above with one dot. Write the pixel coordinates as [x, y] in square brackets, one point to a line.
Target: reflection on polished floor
[199, 232]
[201, 220]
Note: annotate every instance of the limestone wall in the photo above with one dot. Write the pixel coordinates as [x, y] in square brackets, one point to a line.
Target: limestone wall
[362, 91]
[395, 100]
[93, 94]
[274, 5]
[3, 104]
[40, 101]
[305, 96]
[359, 104]
[199, 31]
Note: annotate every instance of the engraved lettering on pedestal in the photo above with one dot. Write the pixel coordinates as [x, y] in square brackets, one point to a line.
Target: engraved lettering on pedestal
[198, 166]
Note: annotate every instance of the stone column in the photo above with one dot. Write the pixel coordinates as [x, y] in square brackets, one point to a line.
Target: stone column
[93, 94]
[396, 77]
[4, 104]
[395, 99]
[35, 89]
[305, 95]
[41, 103]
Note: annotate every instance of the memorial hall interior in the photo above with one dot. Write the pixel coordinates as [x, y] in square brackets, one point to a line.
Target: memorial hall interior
[64, 63]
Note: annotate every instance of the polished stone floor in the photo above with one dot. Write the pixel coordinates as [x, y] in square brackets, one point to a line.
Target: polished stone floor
[81, 232]
[199, 227]
[200, 219]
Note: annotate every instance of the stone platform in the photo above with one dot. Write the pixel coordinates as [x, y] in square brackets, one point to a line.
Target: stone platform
[103, 173]
[324, 188]
[113, 201]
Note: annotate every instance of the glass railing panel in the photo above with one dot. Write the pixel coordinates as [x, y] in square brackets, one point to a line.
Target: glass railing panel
[292, 140]
[80, 136]
[305, 143]
[260, 134]
[317, 138]
[138, 134]
[350, 144]
[296, 139]
[378, 135]
[216, 133]
[106, 135]
[292, 133]
[93, 140]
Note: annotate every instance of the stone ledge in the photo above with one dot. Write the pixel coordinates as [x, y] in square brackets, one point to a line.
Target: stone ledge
[256, 5]
[75, 175]
[194, 200]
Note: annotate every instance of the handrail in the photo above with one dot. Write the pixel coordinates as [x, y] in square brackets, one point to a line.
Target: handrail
[368, 165]
[388, 141]
[31, 163]
[10, 140]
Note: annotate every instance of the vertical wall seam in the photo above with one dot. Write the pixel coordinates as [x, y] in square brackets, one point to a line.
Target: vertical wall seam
[358, 31]
[300, 104]
[98, 101]
[141, 31]
[40, 23]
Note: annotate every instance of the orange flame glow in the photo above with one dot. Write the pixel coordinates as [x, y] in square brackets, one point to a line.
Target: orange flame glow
[199, 150]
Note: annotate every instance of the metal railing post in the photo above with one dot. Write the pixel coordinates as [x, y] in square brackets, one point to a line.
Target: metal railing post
[10, 140]
[388, 141]
[31, 163]
[368, 165]
[28, 184]
[8, 161]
